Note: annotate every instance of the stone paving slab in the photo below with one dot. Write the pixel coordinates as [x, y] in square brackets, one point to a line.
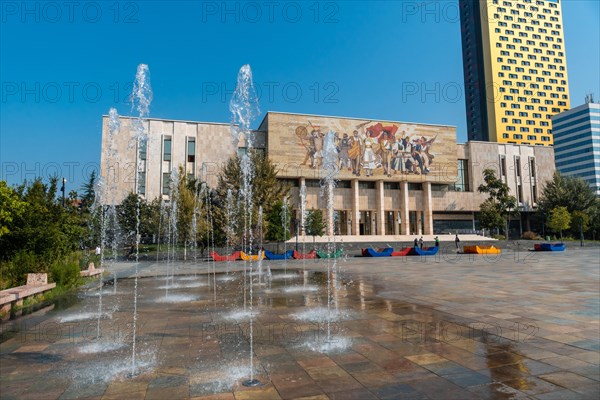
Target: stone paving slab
[453, 326]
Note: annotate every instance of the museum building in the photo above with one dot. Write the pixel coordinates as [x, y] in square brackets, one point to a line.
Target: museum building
[392, 178]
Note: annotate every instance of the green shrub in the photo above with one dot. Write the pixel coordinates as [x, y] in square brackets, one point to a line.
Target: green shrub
[531, 236]
[66, 273]
[499, 237]
[14, 272]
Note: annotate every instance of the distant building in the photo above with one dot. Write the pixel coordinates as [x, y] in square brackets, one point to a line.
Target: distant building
[394, 178]
[515, 69]
[577, 143]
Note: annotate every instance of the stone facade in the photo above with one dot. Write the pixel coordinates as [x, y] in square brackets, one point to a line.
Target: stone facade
[446, 199]
[213, 146]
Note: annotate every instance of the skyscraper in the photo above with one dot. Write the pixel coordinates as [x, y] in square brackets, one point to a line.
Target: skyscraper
[514, 68]
[577, 143]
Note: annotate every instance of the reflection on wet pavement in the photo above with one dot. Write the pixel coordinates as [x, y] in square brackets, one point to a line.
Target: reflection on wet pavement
[402, 328]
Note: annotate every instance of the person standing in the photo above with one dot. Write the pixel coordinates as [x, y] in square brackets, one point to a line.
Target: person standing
[437, 241]
[416, 243]
[456, 241]
[421, 242]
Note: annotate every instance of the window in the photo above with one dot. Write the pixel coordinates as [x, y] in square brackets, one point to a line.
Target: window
[312, 183]
[391, 185]
[411, 186]
[167, 148]
[518, 165]
[191, 150]
[142, 183]
[143, 149]
[367, 185]
[462, 179]
[503, 165]
[165, 183]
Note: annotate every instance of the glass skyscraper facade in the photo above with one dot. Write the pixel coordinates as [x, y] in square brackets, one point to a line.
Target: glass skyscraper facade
[577, 143]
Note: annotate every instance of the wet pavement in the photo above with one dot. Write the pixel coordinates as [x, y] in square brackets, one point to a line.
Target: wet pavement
[523, 325]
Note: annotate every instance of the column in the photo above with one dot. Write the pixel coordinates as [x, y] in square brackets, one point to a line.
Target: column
[355, 208]
[427, 212]
[380, 206]
[404, 224]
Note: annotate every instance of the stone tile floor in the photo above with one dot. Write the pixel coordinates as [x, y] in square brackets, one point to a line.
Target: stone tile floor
[521, 326]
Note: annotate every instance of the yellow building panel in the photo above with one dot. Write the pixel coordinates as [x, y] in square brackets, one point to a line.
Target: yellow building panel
[525, 68]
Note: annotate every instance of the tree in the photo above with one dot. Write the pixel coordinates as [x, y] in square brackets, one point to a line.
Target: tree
[266, 188]
[127, 215]
[11, 207]
[89, 192]
[37, 232]
[594, 213]
[500, 204]
[314, 224]
[490, 215]
[559, 220]
[186, 199]
[266, 191]
[580, 223]
[40, 226]
[275, 221]
[571, 192]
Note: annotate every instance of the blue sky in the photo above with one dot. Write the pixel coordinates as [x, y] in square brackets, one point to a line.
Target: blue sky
[63, 66]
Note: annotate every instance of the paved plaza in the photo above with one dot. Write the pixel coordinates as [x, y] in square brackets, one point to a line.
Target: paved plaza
[521, 326]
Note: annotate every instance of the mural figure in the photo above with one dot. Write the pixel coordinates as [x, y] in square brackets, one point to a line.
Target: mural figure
[397, 156]
[355, 152]
[373, 147]
[304, 136]
[317, 142]
[386, 153]
[368, 160]
[344, 153]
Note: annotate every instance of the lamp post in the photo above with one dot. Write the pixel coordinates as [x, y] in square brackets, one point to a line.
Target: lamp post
[63, 189]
